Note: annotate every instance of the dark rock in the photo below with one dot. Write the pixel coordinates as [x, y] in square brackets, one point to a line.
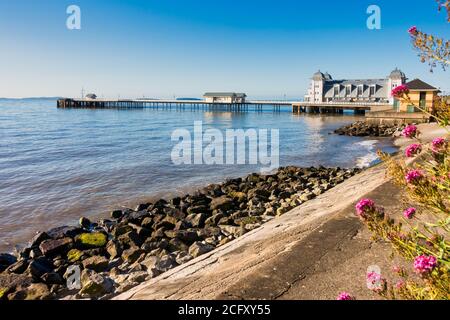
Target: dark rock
[166, 263]
[53, 247]
[114, 249]
[130, 239]
[18, 267]
[121, 229]
[65, 231]
[95, 285]
[147, 223]
[142, 206]
[196, 220]
[96, 263]
[198, 209]
[52, 278]
[222, 203]
[132, 254]
[40, 266]
[38, 238]
[183, 235]
[85, 223]
[199, 248]
[177, 245]
[116, 214]
[6, 260]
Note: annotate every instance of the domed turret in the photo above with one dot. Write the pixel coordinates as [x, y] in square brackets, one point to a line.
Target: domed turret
[318, 76]
[397, 74]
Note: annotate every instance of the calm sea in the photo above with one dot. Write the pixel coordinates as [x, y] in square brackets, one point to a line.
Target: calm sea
[58, 165]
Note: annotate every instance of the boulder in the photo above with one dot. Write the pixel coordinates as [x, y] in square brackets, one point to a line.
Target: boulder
[18, 267]
[96, 263]
[116, 214]
[132, 254]
[91, 240]
[63, 232]
[199, 248]
[74, 255]
[222, 203]
[40, 266]
[188, 236]
[166, 263]
[95, 285]
[6, 260]
[53, 247]
[196, 220]
[38, 238]
[114, 249]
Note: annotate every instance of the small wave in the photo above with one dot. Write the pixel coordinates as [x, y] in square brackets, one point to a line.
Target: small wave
[367, 143]
[367, 160]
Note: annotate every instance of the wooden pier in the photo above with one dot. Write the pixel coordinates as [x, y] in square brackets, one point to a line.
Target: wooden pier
[142, 103]
[297, 107]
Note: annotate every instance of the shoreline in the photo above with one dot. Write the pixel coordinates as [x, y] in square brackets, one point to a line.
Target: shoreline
[137, 245]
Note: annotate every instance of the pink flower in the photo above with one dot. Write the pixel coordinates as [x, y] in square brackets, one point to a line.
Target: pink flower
[363, 206]
[425, 264]
[412, 31]
[375, 282]
[410, 131]
[400, 284]
[344, 296]
[413, 150]
[400, 91]
[437, 144]
[413, 176]
[409, 213]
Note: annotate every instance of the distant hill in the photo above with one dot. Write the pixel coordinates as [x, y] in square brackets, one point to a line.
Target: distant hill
[33, 98]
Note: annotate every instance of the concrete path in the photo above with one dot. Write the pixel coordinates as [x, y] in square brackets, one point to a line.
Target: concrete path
[305, 254]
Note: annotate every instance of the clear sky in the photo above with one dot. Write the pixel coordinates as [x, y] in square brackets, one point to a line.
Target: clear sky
[183, 48]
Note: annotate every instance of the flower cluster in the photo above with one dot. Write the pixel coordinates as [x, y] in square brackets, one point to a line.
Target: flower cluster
[413, 176]
[438, 144]
[424, 264]
[410, 131]
[364, 206]
[409, 213]
[375, 282]
[400, 91]
[344, 296]
[413, 31]
[413, 150]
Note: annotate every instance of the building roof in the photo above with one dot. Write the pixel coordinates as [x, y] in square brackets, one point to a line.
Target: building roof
[418, 84]
[380, 85]
[397, 74]
[225, 94]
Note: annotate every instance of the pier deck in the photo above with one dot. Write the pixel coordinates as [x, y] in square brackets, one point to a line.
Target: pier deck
[297, 107]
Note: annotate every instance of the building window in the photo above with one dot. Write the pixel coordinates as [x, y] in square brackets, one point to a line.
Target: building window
[337, 90]
[348, 90]
[360, 90]
[372, 91]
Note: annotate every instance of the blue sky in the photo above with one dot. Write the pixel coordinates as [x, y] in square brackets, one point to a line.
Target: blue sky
[166, 48]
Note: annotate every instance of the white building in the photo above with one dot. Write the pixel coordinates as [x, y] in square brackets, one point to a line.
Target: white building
[224, 97]
[324, 88]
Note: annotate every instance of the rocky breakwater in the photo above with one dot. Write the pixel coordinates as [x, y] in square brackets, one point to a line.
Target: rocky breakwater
[367, 129]
[116, 254]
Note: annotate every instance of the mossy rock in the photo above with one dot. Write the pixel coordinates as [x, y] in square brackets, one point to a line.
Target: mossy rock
[240, 196]
[3, 293]
[74, 255]
[92, 240]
